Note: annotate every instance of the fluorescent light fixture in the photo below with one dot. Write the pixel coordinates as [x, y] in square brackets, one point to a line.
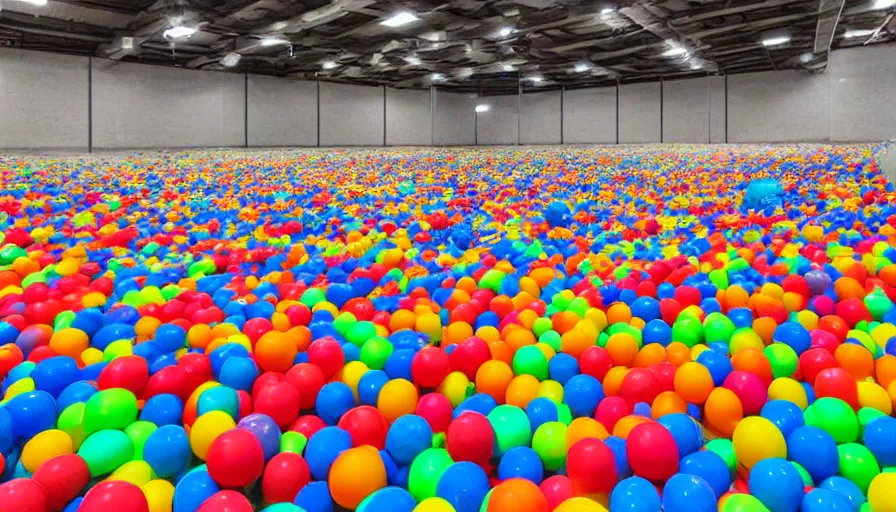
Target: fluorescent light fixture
[775, 40]
[231, 59]
[884, 4]
[481, 108]
[127, 43]
[399, 19]
[582, 67]
[35, 2]
[412, 60]
[696, 65]
[179, 32]
[535, 78]
[607, 10]
[509, 67]
[273, 41]
[863, 32]
[504, 32]
[329, 65]
[675, 51]
[437, 77]
[807, 57]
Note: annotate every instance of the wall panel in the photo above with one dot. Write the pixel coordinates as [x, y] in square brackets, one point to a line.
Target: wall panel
[281, 112]
[863, 81]
[500, 125]
[408, 117]
[455, 123]
[639, 113]
[540, 118]
[589, 116]
[351, 115]
[717, 110]
[43, 100]
[686, 107]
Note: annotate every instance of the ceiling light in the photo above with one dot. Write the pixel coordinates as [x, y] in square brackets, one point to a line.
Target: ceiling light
[775, 40]
[35, 2]
[329, 65]
[677, 51]
[696, 65]
[863, 32]
[402, 18]
[437, 77]
[884, 4]
[481, 108]
[179, 32]
[412, 60]
[504, 32]
[273, 41]
[231, 59]
[127, 43]
[807, 57]
[582, 67]
[607, 10]
[535, 79]
[509, 67]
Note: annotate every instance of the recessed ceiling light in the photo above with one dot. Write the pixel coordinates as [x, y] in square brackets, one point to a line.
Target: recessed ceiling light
[677, 51]
[607, 10]
[179, 32]
[863, 32]
[412, 60]
[696, 65]
[776, 40]
[481, 108]
[509, 67]
[582, 67]
[127, 43]
[506, 31]
[402, 18]
[884, 4]
[437, 77]
[273, 41]
[329, 65]
[231, 59]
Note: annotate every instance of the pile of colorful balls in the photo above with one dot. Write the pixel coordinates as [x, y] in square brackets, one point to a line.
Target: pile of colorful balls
[631, 329]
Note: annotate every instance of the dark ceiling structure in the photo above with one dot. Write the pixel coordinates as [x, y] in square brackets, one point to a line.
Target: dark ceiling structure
[455, 43]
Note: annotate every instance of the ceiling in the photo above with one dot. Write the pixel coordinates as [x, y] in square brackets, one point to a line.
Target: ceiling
[464, 44]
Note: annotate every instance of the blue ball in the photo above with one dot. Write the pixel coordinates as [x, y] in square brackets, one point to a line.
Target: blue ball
[845, 488]
[685, 431]
[617, 444]
[657, 331]
[718, 364]
[315, 497]
[31, 413]
[879, 437]
[794, 335]
[164, 409]
[777, 484]
[334, 400]
[688, 493]
[219, 398]
[635, 494]
[167, 450]
[463, 485]
[540, 411]
[646, 308]
[388, 499]
[408, 437]
[221, 354]
[711, 468]
[521, 462]
[6, 433]
[238, 373]
[170, 337]
[194, 488]
[75, 392]
[370, 385]
[824, 500]
[741, 317]
[582, 393]
[54, 374]
[563, 367]
[786, 415]
[815, 450]
[480, 402]
[322, 449]
[398, 366]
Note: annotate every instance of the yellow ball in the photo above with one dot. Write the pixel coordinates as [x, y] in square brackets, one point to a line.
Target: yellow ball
[552, 390]
[91, 355]
[454, 387]
[434, 504]
[137, 472]
[881, 497]
[785, 388]
[206, 429]
[756, 438]
[159, 495]
[44, 446]
[872, 395]
[580, 505]
[351, 375]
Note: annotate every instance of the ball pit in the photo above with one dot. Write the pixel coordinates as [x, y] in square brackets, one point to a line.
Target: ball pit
[567, 330]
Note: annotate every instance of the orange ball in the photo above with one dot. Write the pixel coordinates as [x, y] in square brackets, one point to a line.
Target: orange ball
[613, 380]
[885, 369]
[585, 428]
[501, 351]
[397, 398]
[493, 378]
[856, 360]
[402, 319]
[649, 355]
[456, 332]
[668, 402]
[623, 348]
[626, 424]
[619, 313]
[576, 341]
[723, 411]
[754, 361]
[517, 495]
[564, 321]
[678, 353]
[765, 328]
[519, 337]
[521, 390]
[356, 473]
[275, 352]
[69, 342]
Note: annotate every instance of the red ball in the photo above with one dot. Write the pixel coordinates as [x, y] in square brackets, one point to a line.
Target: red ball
[298, 314]
[610, 410]
[751, 390]
[436, 409]
[308, 379]
[639, 385]
[235, 459]
[128, 372]
[834, 325]
[170, 380]
[280, 402]
[226, 501]
[470, 437]
[652, 452]
[63, 478]
[837, 383]
[284, 476]
[430, 367]
[264, 380]
[326, 353]
[361, 307]
[665, 375]
[245, 403]
[469, 355]
[118, 495]
[824, 340]
[23, 495]
[366, 425]
[307, 425]
[254, 328]
[813, 361]
[557, 489]
[595, 361]
[591, 467]
[853, 310]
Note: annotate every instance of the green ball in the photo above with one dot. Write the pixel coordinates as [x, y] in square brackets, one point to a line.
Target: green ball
[343, 322]
[552, 339]
[724, 448]
[511, 426]
[541, 326]
[359, 332]
[858, 464]
[484, 506]
[866, 415]
[688, 330]
[114, 408]
[835, 417]
[878, 304]
[549, 442]
[105, 451]
[293, 442]
[139, 432]
[742, 503]
[782, 358]
[491, 280]
[564, 414]
[375, 352]
[718, 327]
[71, 421]
[425, 472]
[579, 306]
[64, 320]
[530, 360]
[312, 296]
[807, 478]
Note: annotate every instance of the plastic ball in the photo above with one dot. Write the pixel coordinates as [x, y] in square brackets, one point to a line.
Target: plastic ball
[815, 450]
[756, 438]
[635, 494]
[206, 429]
[518, 495]
[425, 472]
[777, 484]
[62, 479]
[463, 485]
[389, 499]
[591, 467]
[521, 462]
[167, 450]
[230, 501]
[125, 496]
[284, 476]
[710, 467]
[652, 452]
[470, 437]
[235, 459]
[683, 492]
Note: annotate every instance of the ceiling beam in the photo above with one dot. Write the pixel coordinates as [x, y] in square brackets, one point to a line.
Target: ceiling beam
[826, 26]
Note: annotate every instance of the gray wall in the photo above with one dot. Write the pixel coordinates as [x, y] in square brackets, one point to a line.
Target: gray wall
[540, 118]
[281, 112]
[137, 106]
[498, 126]
[640, 110]
[455, 122]
[589, 116]
[686, 107]
[408, 118]
[718, 110]
[351, 115]
[43, 100]
[863, 94]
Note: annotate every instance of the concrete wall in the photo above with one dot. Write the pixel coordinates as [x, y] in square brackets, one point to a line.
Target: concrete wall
[863, 94]
[408, 117]
[540, 118]
[351, 115]
[281, 112]
[686, 107]
[455, 122]
[640, 111]
[718, 110]
[43, 100]
[498, 126]
[589, 116]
